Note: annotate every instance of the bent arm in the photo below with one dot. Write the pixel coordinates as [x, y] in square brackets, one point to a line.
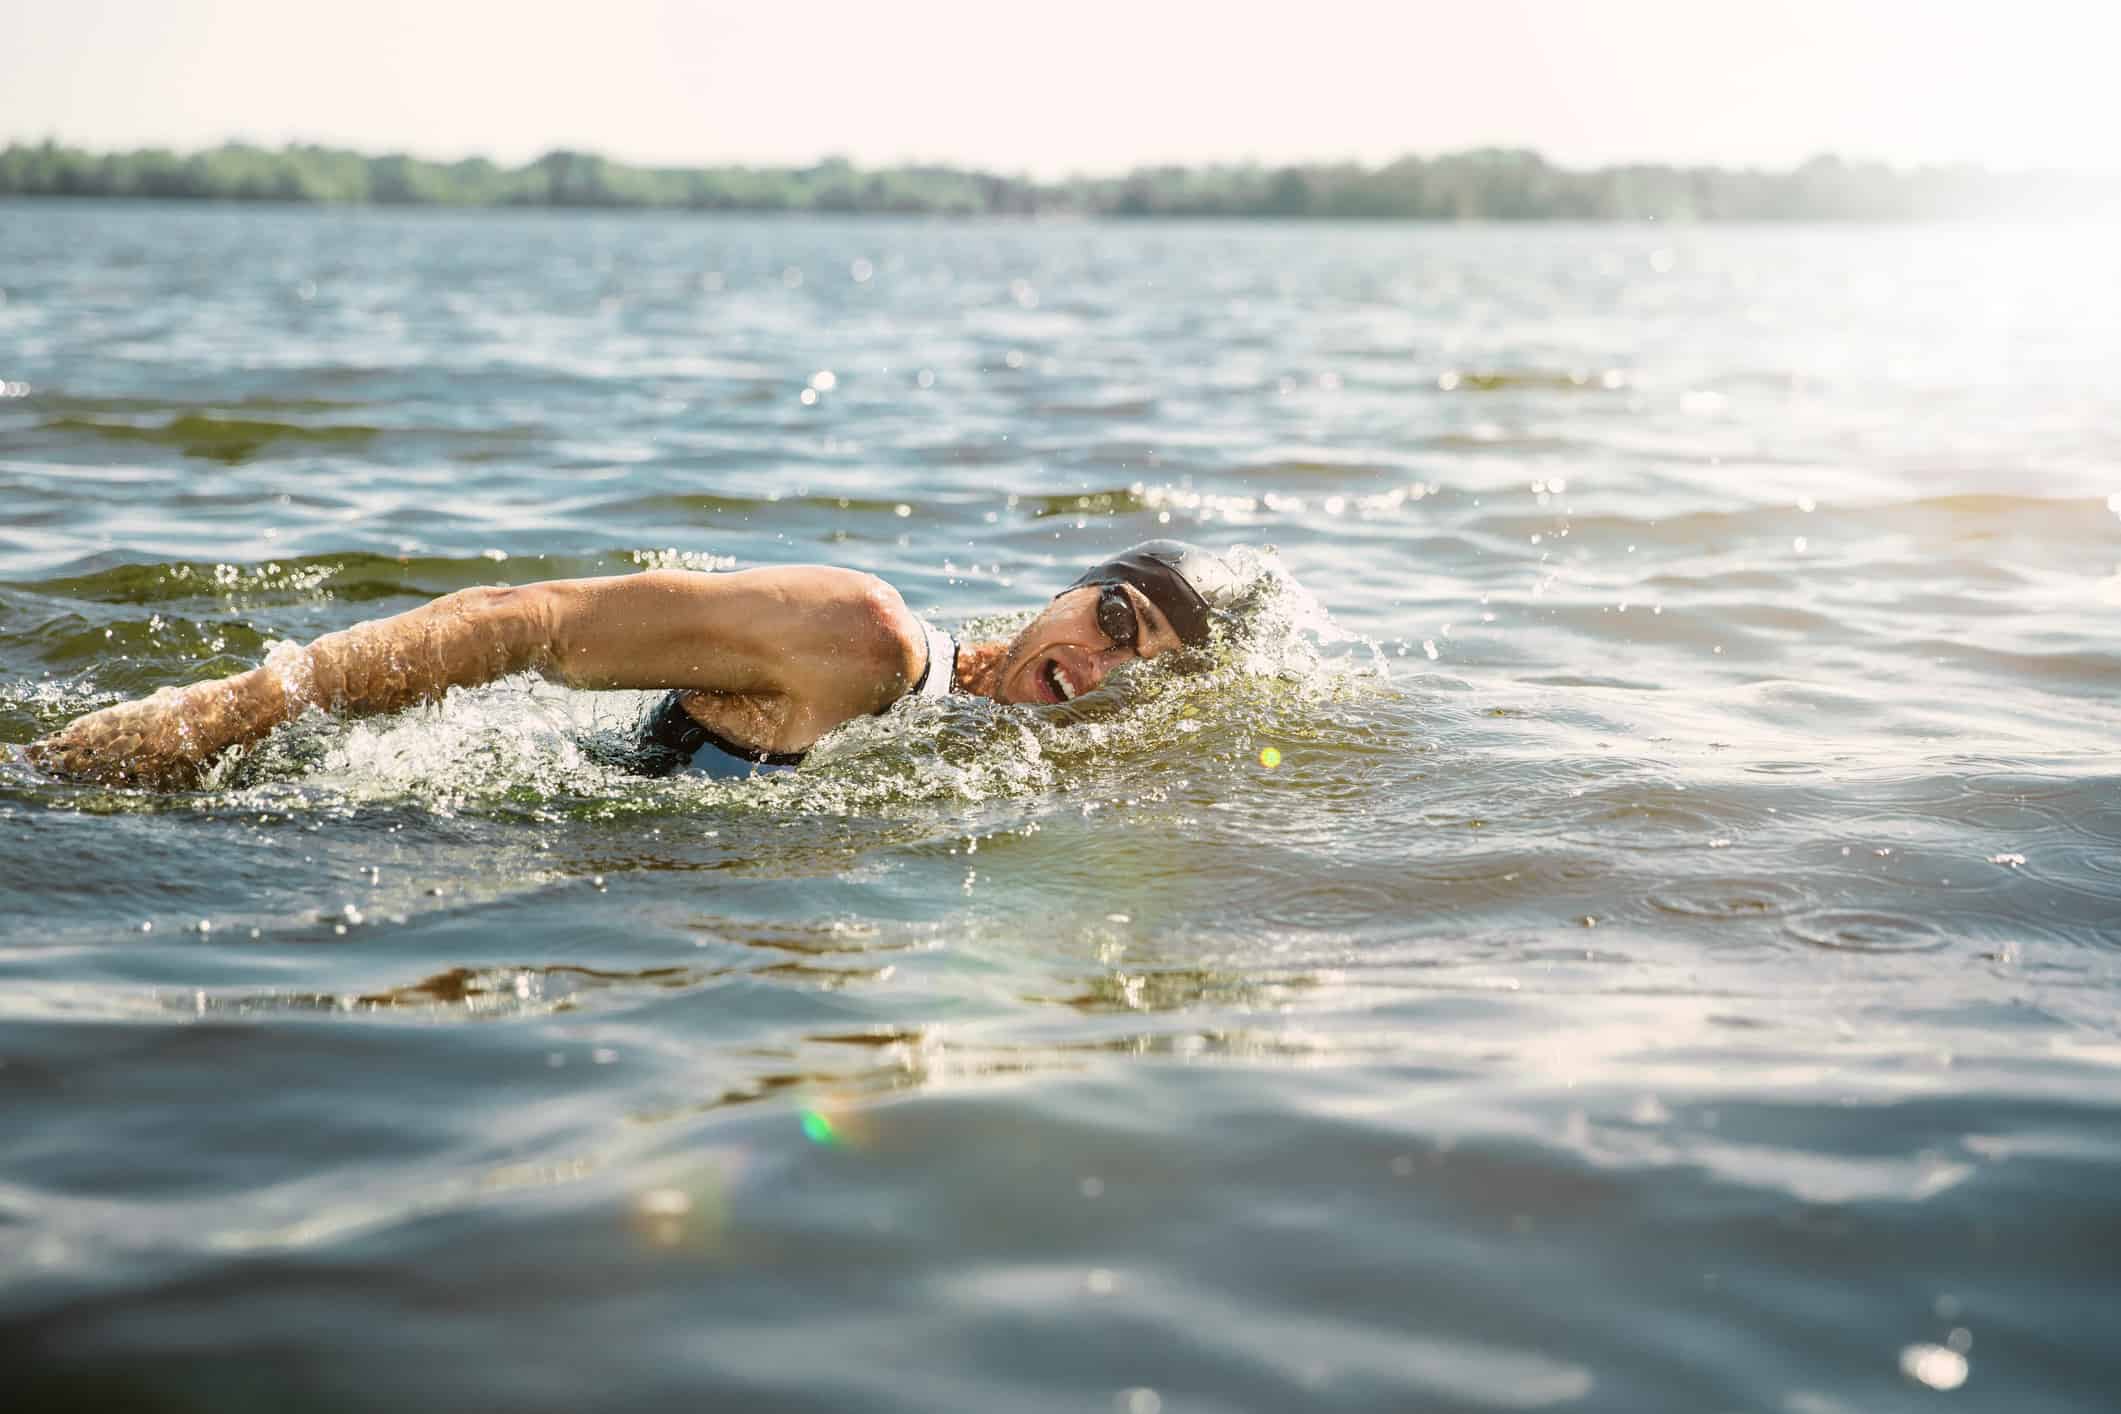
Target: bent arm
[826, 644]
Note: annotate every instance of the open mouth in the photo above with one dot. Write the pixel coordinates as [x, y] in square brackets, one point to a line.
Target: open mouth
[1064, 688]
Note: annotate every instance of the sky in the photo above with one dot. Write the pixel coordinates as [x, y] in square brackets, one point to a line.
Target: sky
[1089, 86]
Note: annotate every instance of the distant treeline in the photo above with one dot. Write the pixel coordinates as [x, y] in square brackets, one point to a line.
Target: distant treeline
[1484, 185]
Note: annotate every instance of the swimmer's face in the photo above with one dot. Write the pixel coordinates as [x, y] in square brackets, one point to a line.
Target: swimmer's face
[1077, 639]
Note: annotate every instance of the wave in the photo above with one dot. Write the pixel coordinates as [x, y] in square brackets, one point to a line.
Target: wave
[232, 440]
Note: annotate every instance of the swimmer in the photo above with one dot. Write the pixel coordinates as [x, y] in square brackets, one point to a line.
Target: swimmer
[759, 663]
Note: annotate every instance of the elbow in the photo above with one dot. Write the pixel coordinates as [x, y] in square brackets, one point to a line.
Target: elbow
[885, 637]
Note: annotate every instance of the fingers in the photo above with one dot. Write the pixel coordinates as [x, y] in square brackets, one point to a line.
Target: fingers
[117, 746]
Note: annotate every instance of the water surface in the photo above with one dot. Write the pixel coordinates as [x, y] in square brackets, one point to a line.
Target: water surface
[1672, 964]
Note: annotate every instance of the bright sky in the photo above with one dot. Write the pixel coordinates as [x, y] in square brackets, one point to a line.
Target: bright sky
[1087, 85]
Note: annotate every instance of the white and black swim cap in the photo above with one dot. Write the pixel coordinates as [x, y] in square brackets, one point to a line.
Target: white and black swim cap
[1187, 583]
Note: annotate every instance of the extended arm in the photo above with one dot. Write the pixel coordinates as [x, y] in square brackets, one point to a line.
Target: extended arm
[819, 644]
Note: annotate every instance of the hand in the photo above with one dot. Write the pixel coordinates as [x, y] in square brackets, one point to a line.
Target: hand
[165, 741]
[134, 743]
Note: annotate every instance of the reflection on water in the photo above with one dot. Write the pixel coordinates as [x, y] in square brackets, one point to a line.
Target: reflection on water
[1629, 922]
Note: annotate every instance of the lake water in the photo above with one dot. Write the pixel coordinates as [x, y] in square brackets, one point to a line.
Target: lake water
[1670, 965]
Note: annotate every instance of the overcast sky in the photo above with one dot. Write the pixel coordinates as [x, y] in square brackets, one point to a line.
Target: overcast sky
[1087, 86]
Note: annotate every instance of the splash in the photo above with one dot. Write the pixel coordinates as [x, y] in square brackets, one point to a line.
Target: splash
[524, 748]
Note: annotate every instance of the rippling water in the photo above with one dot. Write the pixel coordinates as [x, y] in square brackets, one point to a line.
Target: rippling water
[1672, 964]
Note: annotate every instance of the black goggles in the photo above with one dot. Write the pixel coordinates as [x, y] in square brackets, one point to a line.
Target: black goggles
[1116, 618]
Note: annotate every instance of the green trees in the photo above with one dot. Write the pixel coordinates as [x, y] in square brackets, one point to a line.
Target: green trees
[1484, 184]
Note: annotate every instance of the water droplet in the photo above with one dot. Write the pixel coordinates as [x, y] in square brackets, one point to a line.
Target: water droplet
[1934, 1365]
[665, 1203]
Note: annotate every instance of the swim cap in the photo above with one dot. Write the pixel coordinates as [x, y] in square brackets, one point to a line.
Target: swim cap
[1186, 582]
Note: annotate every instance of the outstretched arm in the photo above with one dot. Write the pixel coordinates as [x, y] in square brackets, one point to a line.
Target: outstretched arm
[820, 644]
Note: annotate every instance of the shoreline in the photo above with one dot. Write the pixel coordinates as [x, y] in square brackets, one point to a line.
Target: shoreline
[1496, 185]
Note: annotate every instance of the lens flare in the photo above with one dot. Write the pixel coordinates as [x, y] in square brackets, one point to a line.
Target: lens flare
[1270, 757]
[818, 1129]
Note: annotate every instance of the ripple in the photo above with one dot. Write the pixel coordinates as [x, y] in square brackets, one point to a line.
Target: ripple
[2019, 785]
[1652, 820]
[1728, 898]
[222, 439]
[1864, 930]
[1330, 905]
[1784, 768]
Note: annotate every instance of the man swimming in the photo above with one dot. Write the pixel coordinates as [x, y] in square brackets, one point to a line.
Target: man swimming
[760, 663]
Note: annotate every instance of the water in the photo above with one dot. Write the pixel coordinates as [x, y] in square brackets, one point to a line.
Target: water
[1672, 964]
